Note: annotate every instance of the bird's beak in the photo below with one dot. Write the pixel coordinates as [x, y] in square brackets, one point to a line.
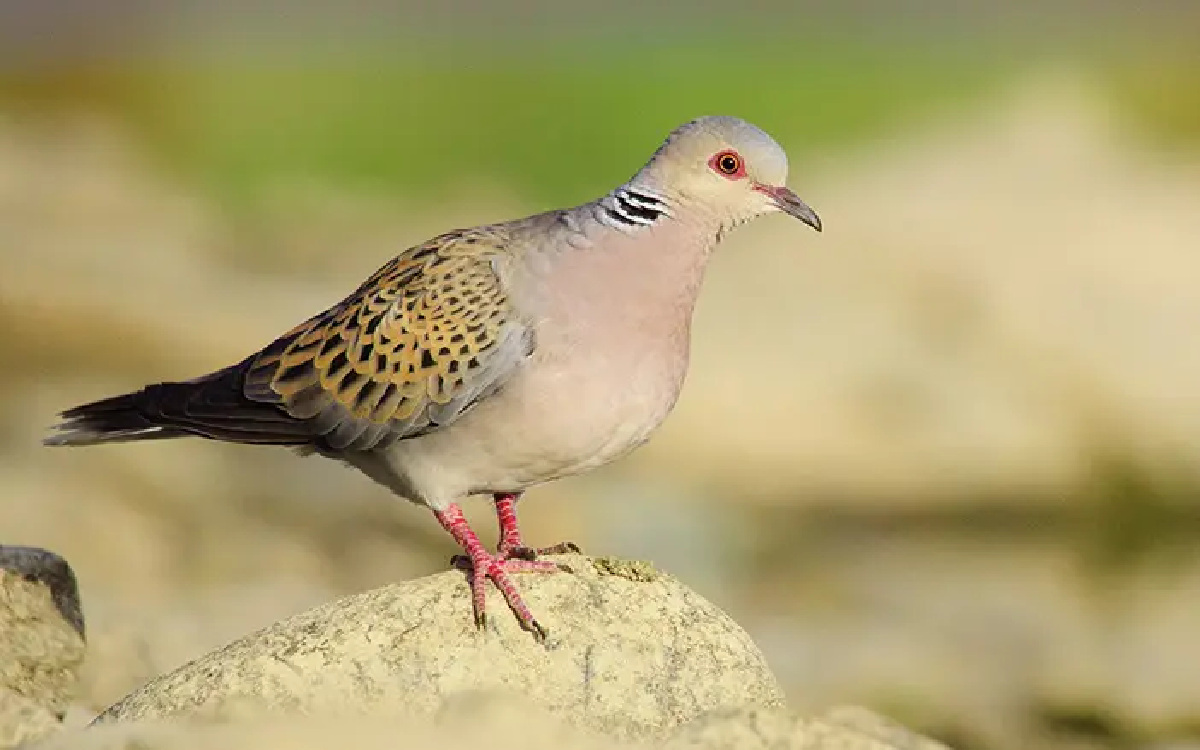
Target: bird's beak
[790, 204]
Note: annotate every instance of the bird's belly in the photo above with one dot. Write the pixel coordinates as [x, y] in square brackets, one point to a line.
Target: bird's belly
[573, 419]
[553, 419]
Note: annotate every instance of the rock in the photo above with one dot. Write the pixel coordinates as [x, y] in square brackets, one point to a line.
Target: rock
[866, 726]
[523, 730]
[42, 645]
[23, 719]
[130, 644]
[632, 654]
[502, 721]
[843, 728]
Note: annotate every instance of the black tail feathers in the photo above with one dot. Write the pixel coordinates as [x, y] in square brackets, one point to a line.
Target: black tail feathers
[111, 420]
[214, 406]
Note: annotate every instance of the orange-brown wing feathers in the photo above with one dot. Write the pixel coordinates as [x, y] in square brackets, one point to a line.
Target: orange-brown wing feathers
[423, 339]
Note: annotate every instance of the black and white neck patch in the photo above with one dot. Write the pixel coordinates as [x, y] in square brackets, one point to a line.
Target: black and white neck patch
[630, 207]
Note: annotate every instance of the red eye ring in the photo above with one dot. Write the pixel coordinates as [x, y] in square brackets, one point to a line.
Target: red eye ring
[728, 164]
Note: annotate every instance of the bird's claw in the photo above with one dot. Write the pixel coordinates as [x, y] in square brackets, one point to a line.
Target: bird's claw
[539, 631]
[562, 548]
[498, 569]
[522, 553]
[530, 553]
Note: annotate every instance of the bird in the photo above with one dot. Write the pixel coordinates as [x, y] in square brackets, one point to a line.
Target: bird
[491, 359]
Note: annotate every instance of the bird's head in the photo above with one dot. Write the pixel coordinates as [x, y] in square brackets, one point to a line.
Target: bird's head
[725, 166]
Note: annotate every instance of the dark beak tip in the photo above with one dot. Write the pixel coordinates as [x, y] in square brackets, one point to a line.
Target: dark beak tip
[809, 217]
[791, 204]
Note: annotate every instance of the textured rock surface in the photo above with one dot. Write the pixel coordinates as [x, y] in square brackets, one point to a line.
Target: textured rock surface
[501, 721]
[632, 653]
[843, 728]
[41, 642]
[22, 719]
[471, 719]
[130, 643]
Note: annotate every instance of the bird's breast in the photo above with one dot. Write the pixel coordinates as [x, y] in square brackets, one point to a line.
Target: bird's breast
[611, 329]
[610, 361]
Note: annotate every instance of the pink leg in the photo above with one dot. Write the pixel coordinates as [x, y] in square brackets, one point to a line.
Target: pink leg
[510, 533]
[510, 546]
[484, 565]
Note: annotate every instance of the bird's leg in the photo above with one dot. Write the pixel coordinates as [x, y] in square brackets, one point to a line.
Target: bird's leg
[483, 565]
[510, 546]
[510, 532]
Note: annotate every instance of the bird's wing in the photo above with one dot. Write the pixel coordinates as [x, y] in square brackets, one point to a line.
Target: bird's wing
[416, 345]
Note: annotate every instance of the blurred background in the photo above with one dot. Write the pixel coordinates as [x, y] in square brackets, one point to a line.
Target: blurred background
[943, 459]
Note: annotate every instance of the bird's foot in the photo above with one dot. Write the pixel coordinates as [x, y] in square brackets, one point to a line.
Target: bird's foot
[511, 547]
[521, 552]
[482, 566]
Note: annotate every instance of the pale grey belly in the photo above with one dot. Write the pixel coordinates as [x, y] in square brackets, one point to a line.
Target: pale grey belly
[548, 422]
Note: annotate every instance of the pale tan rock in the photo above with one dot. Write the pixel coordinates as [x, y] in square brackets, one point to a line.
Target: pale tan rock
[861, 725]
[632, 653]
[500, 720]
[538, 731]
[41, 642]
[130, 645]
[843, 728]
[23, 719]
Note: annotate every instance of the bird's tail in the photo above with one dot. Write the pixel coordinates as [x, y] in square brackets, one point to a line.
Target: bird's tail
[117, 419]
[213, 406]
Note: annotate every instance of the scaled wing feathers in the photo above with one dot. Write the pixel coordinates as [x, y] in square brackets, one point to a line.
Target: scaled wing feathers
[423, 339]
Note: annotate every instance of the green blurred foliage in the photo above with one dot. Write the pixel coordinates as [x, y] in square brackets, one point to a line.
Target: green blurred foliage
[1160, 95]
[554, 124]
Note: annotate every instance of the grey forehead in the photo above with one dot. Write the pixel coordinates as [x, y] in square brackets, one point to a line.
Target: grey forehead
[686, 142]
[734, 130]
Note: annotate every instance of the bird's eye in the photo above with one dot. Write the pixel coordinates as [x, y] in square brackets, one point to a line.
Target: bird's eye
[727, 163]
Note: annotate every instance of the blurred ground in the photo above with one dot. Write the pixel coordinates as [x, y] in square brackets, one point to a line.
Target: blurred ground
[970, 499]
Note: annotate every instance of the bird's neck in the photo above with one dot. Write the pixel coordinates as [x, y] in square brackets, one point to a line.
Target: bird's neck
[645, 243]
[633, 208]
[660, 243]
